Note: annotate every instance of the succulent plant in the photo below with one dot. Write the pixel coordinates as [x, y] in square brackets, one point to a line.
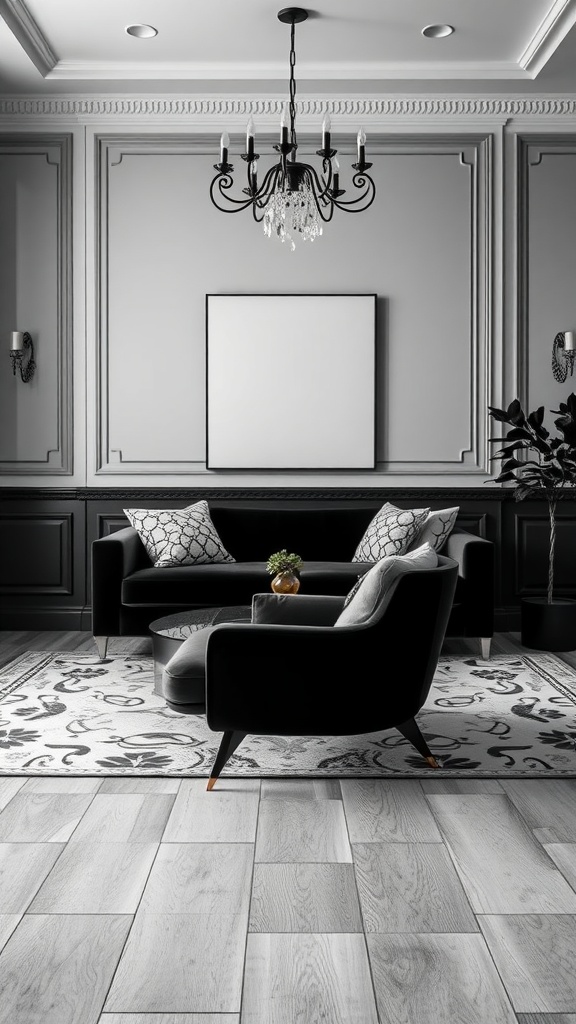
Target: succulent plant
[281, 561]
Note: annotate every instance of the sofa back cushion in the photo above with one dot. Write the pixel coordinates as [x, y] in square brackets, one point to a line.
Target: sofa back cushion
[329, 534]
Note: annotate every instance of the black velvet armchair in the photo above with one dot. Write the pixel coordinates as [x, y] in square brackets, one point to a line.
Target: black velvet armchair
[292, 672]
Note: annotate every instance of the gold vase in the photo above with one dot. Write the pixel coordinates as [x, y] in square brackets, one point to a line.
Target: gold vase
[286, 582]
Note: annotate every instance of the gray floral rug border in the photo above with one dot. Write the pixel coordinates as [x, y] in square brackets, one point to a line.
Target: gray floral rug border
[70, 714]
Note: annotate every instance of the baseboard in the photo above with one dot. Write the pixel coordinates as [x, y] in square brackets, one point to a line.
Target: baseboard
[507, 620]
[43, 619]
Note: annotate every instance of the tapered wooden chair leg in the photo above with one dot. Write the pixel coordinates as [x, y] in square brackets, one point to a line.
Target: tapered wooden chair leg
[230, 742]
[412, 733]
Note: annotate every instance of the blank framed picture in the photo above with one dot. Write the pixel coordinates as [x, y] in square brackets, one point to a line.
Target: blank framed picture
[290, 381]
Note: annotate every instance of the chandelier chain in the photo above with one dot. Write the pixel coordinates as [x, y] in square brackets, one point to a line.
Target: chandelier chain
[292, 88]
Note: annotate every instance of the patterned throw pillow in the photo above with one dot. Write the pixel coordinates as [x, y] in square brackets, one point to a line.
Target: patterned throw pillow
[437, 528]
[391, 532]
[371, 589]
[183, 536]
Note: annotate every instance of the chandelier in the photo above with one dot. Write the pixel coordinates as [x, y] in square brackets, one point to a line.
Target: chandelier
[293, 200]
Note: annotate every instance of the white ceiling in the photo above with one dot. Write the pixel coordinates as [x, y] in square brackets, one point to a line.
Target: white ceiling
[80, 46]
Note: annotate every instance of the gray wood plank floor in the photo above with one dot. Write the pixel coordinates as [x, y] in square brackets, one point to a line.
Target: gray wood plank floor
[276, 901]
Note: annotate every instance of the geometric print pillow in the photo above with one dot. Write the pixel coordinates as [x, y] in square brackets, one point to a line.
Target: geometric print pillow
[437, 528]
[184, 536]
[390, 532]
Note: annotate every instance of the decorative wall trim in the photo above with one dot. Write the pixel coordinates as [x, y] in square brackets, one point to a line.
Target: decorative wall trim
[209, 106]
[31, 39]
[496, 493]
[109, 152]
[57, 150]
[530, 148]
[475, 154]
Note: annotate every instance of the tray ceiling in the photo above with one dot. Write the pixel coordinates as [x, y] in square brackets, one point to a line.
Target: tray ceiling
[83, 46]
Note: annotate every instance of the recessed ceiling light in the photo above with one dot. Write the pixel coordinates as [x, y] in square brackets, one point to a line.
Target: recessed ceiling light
[437, 31]
[142, 31]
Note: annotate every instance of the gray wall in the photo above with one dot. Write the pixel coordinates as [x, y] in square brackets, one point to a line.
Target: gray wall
[118, 310]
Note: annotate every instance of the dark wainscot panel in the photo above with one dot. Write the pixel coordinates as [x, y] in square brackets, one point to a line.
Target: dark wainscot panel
[46, 537]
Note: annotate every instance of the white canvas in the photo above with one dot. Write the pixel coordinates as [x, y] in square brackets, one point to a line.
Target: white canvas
[291, 381]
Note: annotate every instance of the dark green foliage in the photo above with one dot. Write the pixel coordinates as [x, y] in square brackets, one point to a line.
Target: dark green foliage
[549, 463]
[537, 462]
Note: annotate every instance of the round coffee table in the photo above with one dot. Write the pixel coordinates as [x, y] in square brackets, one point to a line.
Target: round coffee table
[171, 631]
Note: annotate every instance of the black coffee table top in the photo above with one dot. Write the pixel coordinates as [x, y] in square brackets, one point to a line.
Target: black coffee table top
[181, 625]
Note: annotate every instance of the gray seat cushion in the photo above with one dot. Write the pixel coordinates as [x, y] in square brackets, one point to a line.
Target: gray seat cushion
[183, 680]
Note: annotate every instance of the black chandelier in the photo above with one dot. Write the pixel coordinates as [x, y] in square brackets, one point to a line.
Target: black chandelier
[293, 198]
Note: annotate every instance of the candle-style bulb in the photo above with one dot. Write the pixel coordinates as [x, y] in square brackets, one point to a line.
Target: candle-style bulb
[336, 176]
[326, 126]
[361, 139]
[224, 143]
[284, 124]
[250, 138]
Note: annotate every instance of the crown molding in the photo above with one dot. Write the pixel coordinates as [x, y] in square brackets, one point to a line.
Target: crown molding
[181, 108]
[552, 30]
[70, 70]
[31, 39]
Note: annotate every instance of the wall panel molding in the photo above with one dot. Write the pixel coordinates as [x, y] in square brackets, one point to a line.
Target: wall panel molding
[475, 155]
[38, 558]
[57, 151]
[110, 152]
[472, 153]
[531, 149]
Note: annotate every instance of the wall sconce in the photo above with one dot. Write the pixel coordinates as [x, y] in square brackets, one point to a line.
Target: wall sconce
[563, 353]
[20, 345]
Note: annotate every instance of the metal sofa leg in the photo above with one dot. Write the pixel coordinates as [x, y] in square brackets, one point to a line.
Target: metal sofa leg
[485, 642]
[102, 645]
[410, 731]
[230, 741]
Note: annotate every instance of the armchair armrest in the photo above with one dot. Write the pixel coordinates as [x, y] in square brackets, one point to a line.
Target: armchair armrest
[113, 558]
[475, 557]
[297, 609]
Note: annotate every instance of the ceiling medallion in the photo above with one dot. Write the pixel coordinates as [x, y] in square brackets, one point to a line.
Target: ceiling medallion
[293, 200]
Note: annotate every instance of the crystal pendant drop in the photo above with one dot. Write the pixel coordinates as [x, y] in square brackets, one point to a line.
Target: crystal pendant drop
[292, 211]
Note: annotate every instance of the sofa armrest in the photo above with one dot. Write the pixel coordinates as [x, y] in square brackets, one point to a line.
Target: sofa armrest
[475, 557]
[297, 609]
[113, 558]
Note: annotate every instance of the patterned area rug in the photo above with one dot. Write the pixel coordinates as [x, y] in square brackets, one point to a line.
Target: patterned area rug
[70, 714]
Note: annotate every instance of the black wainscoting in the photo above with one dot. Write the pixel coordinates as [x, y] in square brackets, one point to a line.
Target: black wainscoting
[46, 536]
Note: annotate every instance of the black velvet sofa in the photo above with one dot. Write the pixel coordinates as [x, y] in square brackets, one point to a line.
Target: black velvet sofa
[128, 592]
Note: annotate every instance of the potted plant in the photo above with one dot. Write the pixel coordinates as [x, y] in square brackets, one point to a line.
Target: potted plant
[285, 567]
[547, 465]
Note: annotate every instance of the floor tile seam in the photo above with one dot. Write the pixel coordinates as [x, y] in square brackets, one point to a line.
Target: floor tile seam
[451, 854]
[45, 879]
[493, 959]
[249, 908]
[362, 919]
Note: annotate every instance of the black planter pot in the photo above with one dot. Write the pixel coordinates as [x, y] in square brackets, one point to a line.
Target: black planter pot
[548, 627]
